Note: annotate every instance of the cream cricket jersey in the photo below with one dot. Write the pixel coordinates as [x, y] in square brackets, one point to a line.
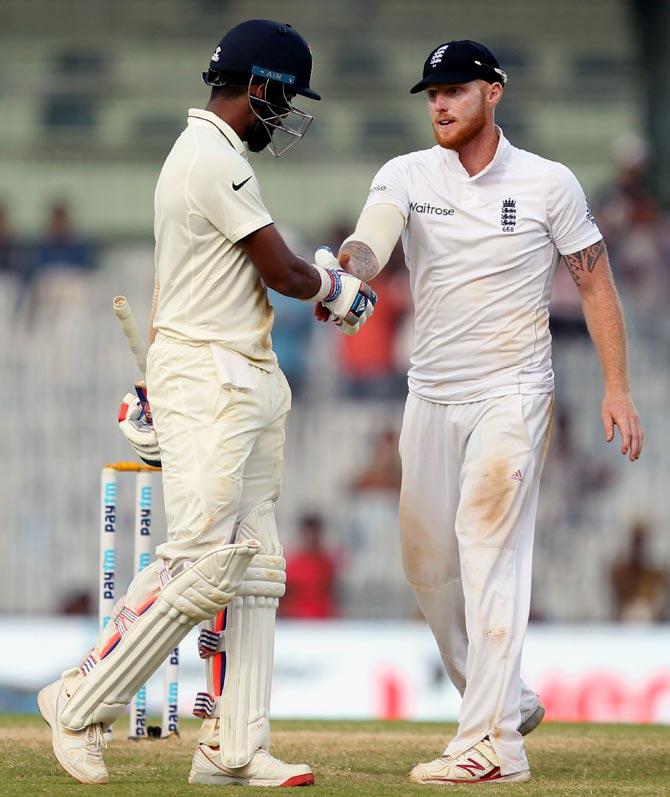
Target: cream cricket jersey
[207, 199]
[482, 252]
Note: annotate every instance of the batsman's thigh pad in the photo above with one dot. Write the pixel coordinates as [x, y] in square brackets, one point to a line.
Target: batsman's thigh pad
[195, 594]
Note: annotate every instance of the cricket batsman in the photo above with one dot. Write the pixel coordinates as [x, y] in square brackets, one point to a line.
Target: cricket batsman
[219, 403]
[484, 226]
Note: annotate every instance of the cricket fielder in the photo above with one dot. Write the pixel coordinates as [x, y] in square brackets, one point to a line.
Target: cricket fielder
[483, 227]
[219, 403]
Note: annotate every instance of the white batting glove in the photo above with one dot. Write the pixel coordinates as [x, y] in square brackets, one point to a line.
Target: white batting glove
[137, 427]
[348, 299]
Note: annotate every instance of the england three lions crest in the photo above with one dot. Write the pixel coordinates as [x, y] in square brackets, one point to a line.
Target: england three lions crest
[508, 215]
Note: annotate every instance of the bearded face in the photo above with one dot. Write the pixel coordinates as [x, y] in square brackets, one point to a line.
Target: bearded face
[458, 112]
[258, 136]
[277, 123]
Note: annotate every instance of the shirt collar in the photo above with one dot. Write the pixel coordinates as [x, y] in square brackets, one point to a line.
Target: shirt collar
[454, 162]
[224, 128]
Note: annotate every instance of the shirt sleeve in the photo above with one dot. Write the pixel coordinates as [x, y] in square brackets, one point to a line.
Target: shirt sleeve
[228, 195]
[389, 187]
[571, 223]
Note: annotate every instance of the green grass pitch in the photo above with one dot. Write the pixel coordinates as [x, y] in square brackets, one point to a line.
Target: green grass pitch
[352, 759]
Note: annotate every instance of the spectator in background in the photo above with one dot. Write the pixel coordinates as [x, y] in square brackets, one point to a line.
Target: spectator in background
[291, 335]
[633, 226]
[566, 319]
[76, 602]
[640, 589]
[627, 196]
[368, 363]
[311, 575]
[371, 369]
[61, 245]
[60, 257]
[383, 471]
[373, 577]
[15, 258]
[574, 474]
[13, 255]
[7, 248]
[293, 325]
[637, 235]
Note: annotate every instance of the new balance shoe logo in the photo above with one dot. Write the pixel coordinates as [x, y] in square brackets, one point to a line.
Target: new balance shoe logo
[517, 476]
[472, 767]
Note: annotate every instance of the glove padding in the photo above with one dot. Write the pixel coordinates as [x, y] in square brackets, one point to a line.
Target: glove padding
[350, 301]
[138, 429]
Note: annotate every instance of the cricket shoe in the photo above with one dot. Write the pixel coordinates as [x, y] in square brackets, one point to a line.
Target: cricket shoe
[479, 764]
[78, 752]
[263, 770]
[531, 722]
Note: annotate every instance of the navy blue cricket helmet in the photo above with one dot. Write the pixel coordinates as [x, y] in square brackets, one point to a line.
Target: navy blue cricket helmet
[264, 49]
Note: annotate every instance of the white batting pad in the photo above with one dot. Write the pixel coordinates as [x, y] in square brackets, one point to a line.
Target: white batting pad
[192, 596]
[248, 642]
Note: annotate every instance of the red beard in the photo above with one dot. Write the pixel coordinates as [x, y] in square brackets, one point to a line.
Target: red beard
[462, 131]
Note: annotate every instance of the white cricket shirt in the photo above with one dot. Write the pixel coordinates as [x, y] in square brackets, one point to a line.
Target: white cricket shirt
[482, 252]
[207, 199]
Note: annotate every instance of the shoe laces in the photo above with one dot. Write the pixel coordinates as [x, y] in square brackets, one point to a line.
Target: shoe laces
[94, 741]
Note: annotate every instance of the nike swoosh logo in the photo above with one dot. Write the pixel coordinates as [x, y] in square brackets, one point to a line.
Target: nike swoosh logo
[237, 186]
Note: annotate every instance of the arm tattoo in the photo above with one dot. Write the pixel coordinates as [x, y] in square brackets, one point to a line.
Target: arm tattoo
[363, 263]
[585, 260]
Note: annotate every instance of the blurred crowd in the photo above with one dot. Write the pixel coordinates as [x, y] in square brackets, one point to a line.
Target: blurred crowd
[637, 233]
[373, 365]
[59, 249]
[324, 577]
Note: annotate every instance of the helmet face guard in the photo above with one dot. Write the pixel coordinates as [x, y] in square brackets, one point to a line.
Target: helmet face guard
[284, 123]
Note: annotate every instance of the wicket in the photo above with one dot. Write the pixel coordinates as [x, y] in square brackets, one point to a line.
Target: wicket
[142, 553]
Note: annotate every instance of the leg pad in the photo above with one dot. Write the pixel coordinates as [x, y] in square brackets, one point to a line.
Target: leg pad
[192, 596]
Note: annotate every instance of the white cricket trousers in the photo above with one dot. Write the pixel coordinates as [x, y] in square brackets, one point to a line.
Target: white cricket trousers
[221, 447]
[470, 483]
[221, 454]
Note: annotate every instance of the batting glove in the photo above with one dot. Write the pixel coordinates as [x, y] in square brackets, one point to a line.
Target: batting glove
[136, 424]
[349, 300]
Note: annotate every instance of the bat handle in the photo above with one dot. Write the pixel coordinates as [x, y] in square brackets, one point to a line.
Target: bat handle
[129, 326]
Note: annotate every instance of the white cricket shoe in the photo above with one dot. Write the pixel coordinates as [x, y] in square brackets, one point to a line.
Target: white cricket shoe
[78, 752]
[479, 764]
[263, 770]
[532, 721]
